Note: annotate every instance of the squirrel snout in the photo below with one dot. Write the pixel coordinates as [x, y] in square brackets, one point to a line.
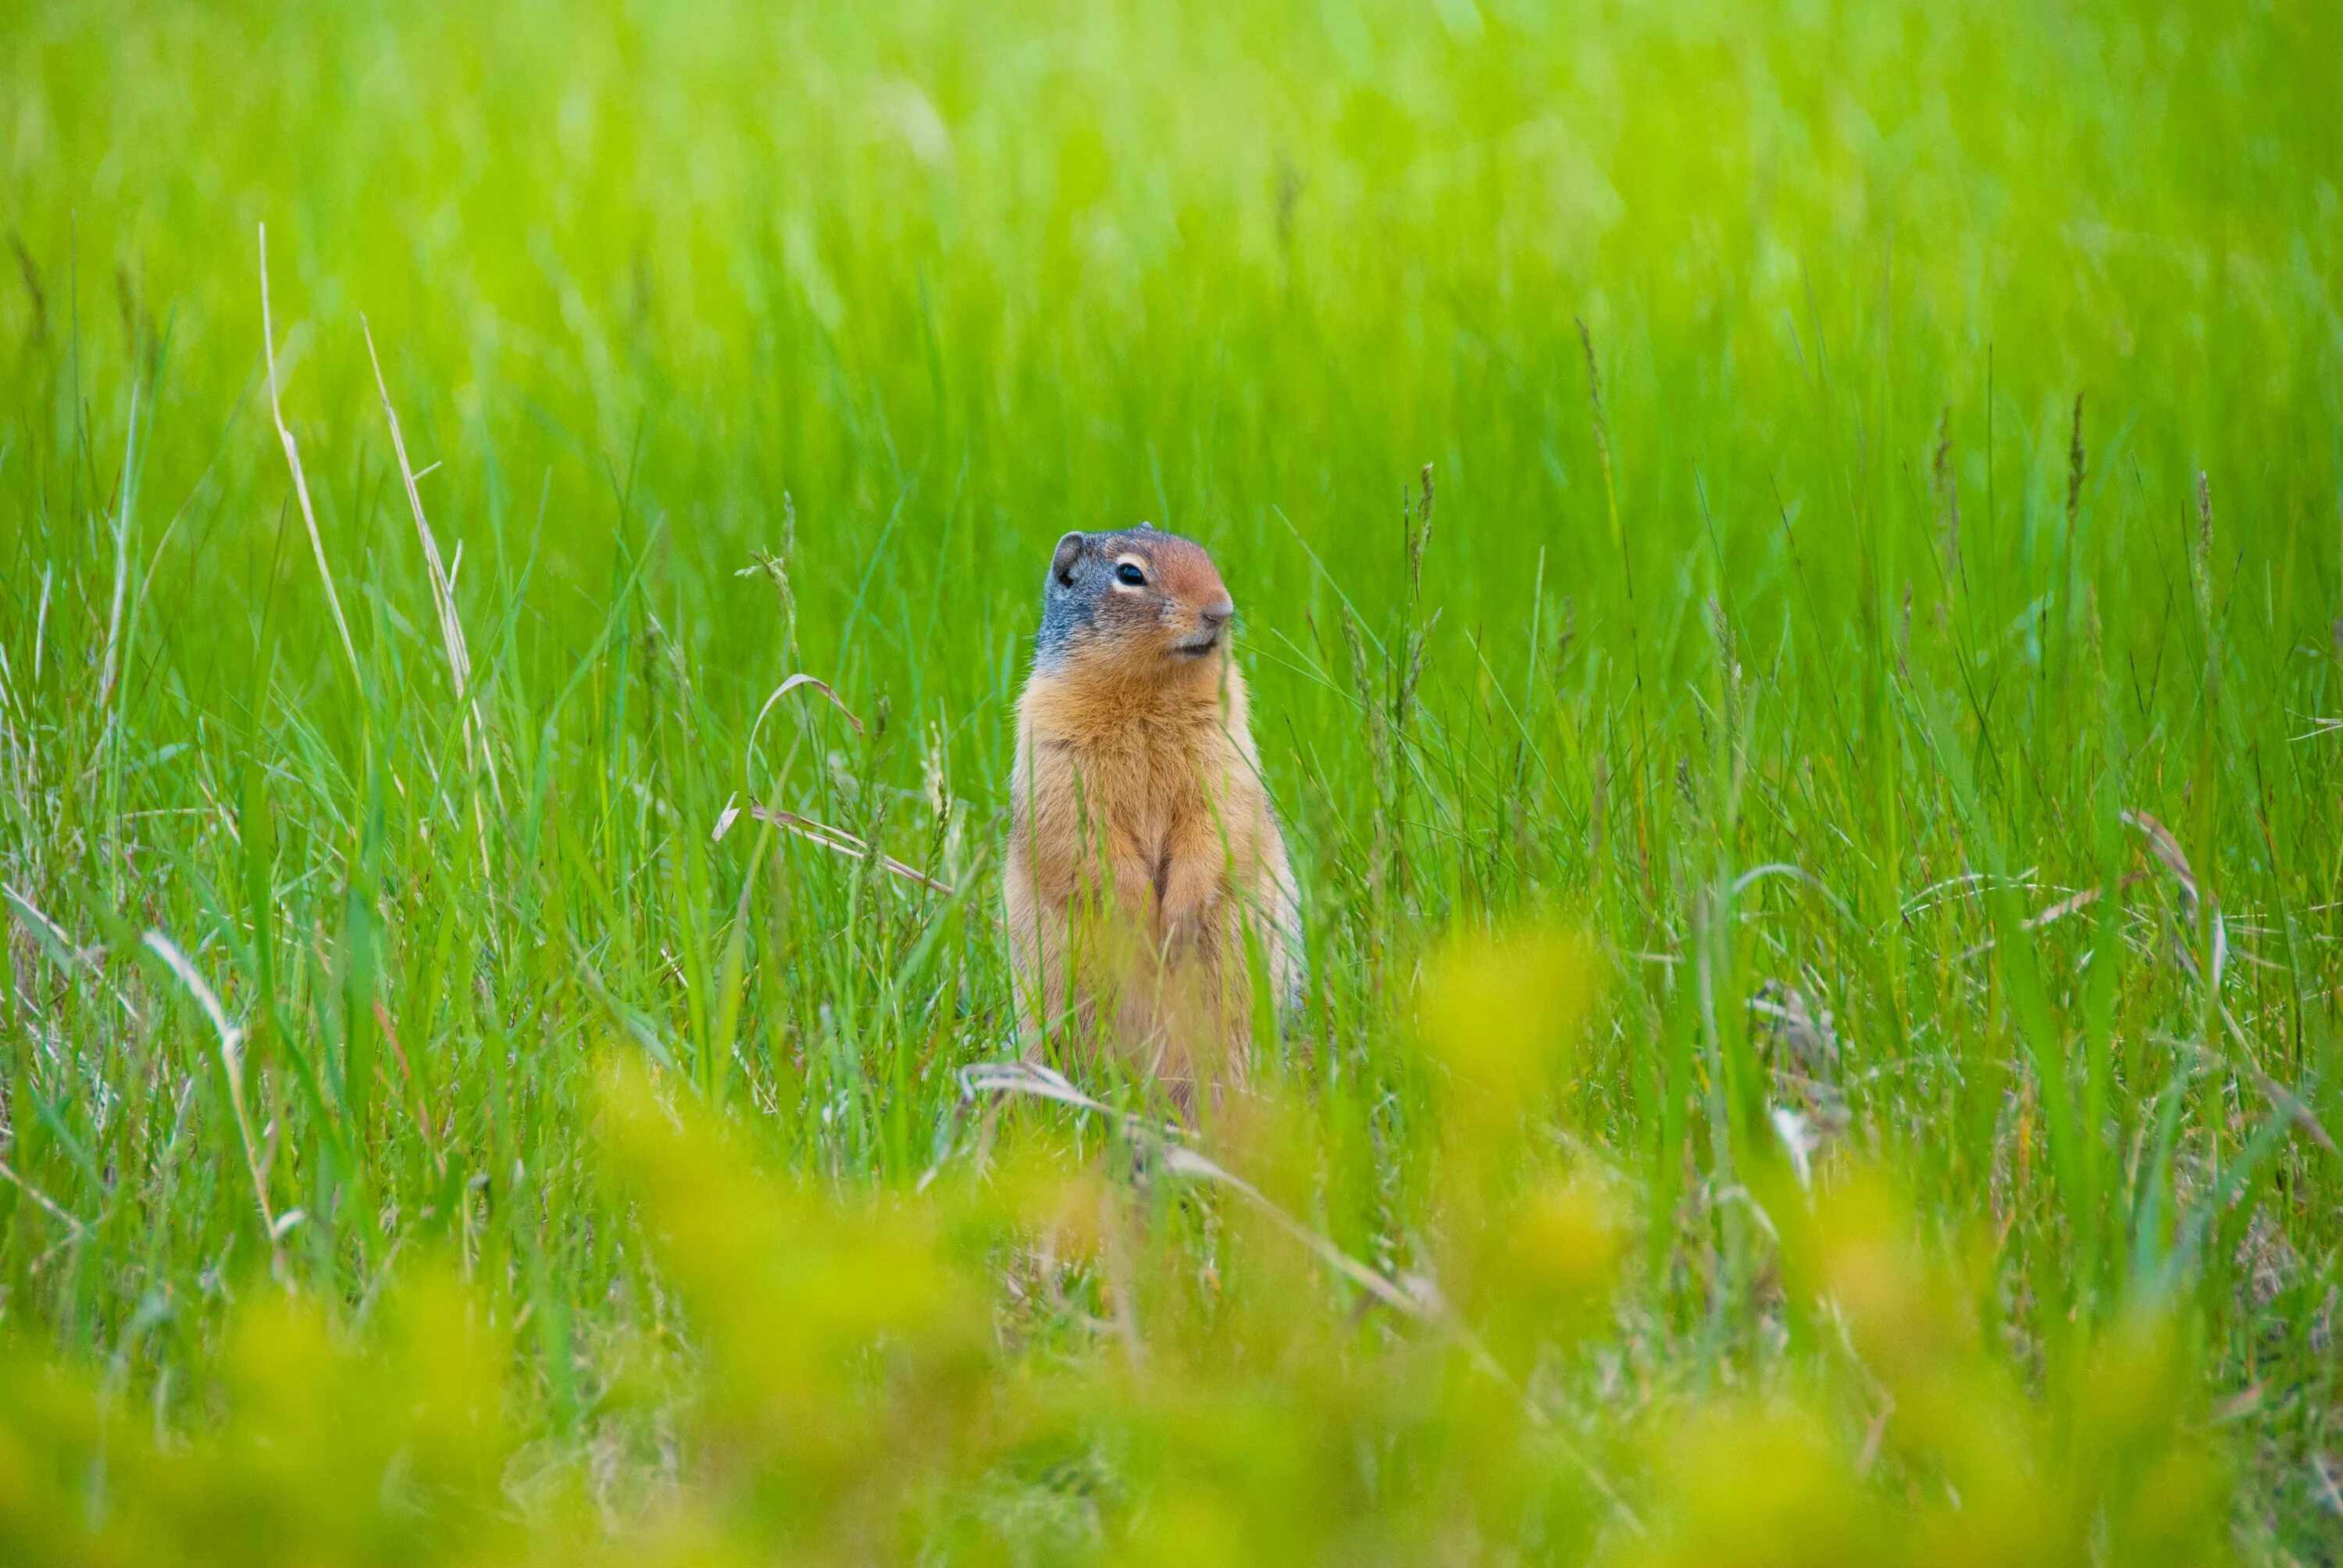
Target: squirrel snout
[1212, 617]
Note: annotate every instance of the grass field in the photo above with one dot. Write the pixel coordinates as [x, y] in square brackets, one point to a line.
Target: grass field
[1788, 559]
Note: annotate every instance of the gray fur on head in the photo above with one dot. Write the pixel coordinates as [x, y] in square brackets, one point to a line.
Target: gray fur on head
[1070, 596]
[1080, 581]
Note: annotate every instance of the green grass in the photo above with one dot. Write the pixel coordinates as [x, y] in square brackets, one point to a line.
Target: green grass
[1883, 459]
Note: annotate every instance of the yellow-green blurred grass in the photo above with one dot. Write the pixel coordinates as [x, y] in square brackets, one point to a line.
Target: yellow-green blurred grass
[1820, 399]
[850, 1394]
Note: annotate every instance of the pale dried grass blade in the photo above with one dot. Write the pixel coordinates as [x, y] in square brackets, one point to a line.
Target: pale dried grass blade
[2168, 851]
[443, 589]
[231, 1049]
[293, 461]
[1028, 1077]
[2286, 1100]
[1042, 1082]
[2078, 903]
[837, 841]
[1184, 1161]
[801, 680]
[1423, 1304]
[1797, 1136]
[111, 666]
[1756, 874]
[43, 930]
[2062, 909]
[57, 1210]
[2052, 914]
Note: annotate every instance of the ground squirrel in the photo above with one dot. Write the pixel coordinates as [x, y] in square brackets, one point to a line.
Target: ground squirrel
[1144, 863]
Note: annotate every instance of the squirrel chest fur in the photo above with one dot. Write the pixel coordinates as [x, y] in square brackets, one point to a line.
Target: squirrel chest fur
[1146, 872]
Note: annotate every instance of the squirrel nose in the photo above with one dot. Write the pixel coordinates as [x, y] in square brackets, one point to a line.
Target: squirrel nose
[1218, 612]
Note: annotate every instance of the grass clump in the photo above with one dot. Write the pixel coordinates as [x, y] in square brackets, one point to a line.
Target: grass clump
[1820, 868]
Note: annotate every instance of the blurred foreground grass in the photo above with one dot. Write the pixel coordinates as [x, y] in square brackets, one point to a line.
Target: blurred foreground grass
[1822, 1042]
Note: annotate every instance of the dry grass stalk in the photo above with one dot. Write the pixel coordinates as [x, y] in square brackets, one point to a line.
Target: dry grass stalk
[293, 461]
[443, 587]
[837, 841]
[1419, 1298]
[231, 1050]
[55, 1209]
[112, 664]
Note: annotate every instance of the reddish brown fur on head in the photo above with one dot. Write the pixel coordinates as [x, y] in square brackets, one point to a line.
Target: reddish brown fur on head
[1140, 602]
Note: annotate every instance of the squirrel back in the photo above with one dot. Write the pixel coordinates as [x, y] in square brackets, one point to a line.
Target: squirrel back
[1144, 868]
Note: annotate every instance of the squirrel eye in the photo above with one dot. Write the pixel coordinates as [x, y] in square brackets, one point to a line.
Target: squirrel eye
[1128, 573]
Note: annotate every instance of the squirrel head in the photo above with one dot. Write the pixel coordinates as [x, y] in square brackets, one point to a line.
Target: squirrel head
[1137, 603]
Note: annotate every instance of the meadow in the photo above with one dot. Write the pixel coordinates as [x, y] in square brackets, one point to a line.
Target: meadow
[1791, 564]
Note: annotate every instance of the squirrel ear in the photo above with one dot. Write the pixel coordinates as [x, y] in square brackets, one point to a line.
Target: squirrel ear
[1062, 565]
[1149, 527]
